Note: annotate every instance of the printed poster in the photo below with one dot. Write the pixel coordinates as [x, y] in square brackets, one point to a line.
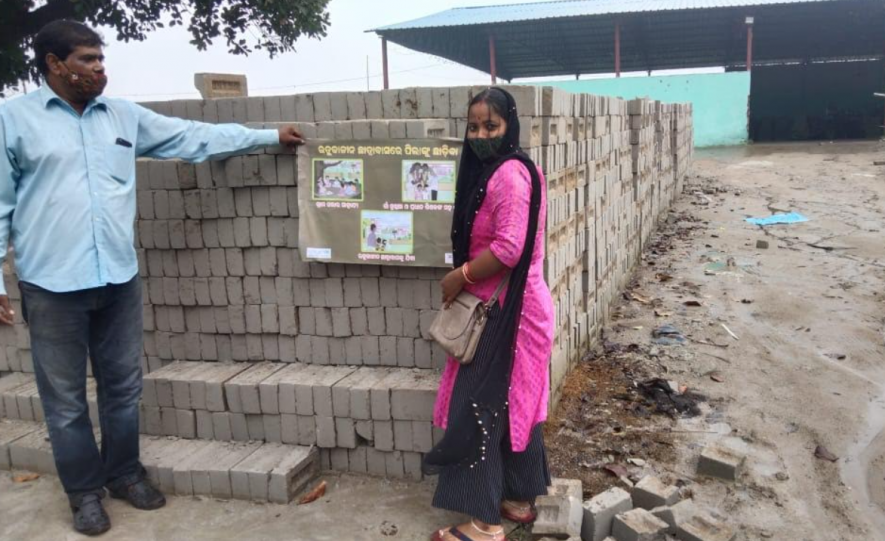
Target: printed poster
[378, 202]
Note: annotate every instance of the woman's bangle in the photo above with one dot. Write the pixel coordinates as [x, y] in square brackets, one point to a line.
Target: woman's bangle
[465, 271]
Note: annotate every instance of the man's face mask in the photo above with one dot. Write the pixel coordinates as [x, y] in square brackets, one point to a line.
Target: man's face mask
[486, 149]
[86, 87]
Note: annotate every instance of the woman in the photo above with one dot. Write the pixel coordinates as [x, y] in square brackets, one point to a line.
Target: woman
[491, 461]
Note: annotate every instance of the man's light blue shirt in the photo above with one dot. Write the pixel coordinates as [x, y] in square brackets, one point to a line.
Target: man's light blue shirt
[67, 182]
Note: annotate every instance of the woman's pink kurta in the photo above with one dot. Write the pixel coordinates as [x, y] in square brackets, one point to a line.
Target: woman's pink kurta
[501, 225]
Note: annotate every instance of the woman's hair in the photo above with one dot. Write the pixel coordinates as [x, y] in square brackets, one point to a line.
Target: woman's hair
[495, 99]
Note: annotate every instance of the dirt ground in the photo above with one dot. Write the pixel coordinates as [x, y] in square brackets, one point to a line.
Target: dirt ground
[804, 370]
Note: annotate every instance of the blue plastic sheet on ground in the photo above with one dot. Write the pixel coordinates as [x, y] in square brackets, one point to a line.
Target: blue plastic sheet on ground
[791, 218]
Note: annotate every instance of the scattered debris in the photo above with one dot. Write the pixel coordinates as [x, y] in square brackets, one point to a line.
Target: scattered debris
[666, 401]
[693, 303]
[667, 335]
[790, 218]
[26, 478]
[717, 377]
[318, 492]
[762, 244]
[724, 326]
[640, 298]
[389, 529]
[822, 453]
[746, 301]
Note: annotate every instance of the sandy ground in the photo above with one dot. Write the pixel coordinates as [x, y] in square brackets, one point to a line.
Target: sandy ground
[805, 370]
[809, 314]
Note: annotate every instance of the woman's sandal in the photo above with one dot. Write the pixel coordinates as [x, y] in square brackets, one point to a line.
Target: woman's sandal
[522, 515]
[454, 531]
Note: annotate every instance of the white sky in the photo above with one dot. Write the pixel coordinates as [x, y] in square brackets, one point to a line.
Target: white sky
[162, 67]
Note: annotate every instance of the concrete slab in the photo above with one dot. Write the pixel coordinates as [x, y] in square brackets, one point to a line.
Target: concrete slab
[41, 514]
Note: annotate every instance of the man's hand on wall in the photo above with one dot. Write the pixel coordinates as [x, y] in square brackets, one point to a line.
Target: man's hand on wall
[290, 137]
[7, 314]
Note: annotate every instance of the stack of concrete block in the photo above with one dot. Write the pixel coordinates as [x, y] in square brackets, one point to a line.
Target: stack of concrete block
[253, 471]
[683, 144]
[652, 512]
[240, 331]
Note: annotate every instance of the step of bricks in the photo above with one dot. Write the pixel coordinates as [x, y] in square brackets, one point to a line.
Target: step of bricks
[255, 471]
[360, 418]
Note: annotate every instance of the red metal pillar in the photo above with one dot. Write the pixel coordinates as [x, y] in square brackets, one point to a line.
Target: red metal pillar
[493, 62]
[384, 62]
[749, 43]
[617, 49]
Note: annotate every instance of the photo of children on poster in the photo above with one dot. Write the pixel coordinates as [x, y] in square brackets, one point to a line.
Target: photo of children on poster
[378, 202]
[429, 181]
[340, 180]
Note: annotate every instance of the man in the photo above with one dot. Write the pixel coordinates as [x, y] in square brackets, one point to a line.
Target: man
[67, 204]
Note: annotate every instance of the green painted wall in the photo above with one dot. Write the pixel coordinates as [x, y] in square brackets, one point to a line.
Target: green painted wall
[720, 100]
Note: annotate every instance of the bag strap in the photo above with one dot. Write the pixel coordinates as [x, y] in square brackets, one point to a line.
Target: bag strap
[494, 298]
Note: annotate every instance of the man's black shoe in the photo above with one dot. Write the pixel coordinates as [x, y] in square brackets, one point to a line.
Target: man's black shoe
[139, 493]
[90, 517]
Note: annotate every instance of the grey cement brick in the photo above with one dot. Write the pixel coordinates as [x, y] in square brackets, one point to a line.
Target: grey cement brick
[338, 102]
[359, 322]
[288, 321]
[340, 322]
[307, 430]
[412, 466]
[405, 352]
[376, 462]
[289, 428]
[397, 129]
[358, 460]
[411, 324]
[424, 97]
[651, 492]
[322, 108]
[600, 511]
[390, 104]
[393, 321]
[388, 346]
[560, 512]
[325, 430]
[440, 103]
[334, 292]
[324, 326]
[339, 459]
[370, 291]
[371, 351]
[255, 426]
[221, 426]
[402, 435]
[380, 129]
[423, 355]
[273, 428]
[205, 430]
[239, 427]
[356, 106]
[422, 436]
[345, 433]
[365, 430]
[395, 465]
[388, 290]
[721, 462]
[412, 395]
[638, 525]
[353, 351]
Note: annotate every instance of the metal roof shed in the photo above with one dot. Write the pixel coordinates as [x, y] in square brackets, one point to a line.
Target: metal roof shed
[576, 37]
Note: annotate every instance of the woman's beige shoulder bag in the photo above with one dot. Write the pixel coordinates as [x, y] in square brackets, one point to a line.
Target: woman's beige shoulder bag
[459, 327]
